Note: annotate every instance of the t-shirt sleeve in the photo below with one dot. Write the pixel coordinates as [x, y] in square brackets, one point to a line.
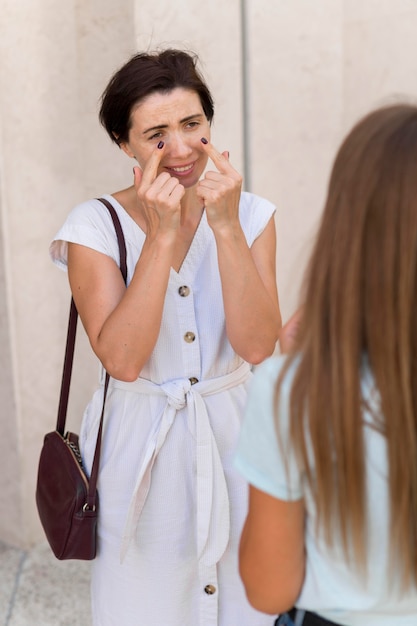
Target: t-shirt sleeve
[255, 213]
[89, 224]
[266, 462]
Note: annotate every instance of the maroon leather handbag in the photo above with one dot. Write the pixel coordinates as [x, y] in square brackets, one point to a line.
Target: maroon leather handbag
[67, 499]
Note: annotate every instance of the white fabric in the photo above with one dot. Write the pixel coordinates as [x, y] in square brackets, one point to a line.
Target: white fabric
[171, 504]
[331, 587]
[212, 512]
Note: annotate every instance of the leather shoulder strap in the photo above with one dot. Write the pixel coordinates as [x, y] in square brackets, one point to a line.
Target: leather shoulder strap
[72, 329]
[120, 236]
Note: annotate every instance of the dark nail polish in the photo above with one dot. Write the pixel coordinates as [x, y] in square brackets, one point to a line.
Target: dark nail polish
[204, 140]
[160, 145]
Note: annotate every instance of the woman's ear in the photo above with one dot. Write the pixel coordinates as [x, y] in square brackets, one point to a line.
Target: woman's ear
[126, 149]
[123, 145]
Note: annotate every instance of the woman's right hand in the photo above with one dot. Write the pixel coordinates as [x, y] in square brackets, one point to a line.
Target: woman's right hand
[123, 323]
[158, 195]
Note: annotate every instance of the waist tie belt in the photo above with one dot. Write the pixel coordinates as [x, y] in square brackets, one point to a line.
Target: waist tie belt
[212, 495]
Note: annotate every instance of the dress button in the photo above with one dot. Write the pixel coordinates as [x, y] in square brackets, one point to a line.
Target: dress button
[189, 337]
[210, 589]
[184, 291]
[193, 380]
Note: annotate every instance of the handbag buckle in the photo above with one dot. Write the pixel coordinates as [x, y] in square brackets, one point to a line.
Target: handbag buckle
[86, 507]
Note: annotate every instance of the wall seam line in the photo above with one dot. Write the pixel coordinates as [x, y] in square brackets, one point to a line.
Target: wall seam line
[246, 129]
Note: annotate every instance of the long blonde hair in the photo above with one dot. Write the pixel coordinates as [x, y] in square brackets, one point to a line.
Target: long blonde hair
[361, 298]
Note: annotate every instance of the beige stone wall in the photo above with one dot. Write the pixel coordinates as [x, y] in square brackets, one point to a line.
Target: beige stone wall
[54, 61]
[296, 112]
[307, 71]
[380, 64]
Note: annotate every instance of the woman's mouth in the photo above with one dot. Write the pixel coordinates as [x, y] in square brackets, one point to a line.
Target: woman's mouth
[181, 170]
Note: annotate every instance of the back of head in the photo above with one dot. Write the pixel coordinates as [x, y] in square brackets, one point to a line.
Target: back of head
[365, 257]
[361, 300]
[142, 75]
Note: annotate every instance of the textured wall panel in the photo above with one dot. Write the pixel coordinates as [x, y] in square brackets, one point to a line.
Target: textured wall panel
[295, 73]
[380, 58]
[213, 31]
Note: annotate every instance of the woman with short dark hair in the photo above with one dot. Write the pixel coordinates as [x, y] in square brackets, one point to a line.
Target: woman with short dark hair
[199, 308]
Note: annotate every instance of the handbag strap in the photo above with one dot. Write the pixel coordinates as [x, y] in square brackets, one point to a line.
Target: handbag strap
[69, 358]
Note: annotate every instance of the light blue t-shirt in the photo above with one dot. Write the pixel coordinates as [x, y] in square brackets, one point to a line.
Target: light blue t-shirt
[331, 588]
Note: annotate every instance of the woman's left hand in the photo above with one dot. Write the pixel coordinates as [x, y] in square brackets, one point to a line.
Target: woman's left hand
[247, 273]
[220, 191]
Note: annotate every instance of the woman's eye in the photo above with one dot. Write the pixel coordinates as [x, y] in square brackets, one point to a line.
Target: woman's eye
[155, 136]
[193, 124]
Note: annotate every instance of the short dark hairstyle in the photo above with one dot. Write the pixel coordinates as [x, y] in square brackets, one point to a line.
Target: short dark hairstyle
[142, 75]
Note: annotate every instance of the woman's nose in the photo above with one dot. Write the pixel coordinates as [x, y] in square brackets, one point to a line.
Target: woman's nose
[178, 146]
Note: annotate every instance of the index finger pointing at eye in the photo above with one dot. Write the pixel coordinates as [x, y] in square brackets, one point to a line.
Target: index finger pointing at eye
[150, 171]
[218, 159]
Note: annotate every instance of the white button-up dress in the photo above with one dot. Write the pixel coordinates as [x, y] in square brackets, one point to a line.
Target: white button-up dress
[172, 505]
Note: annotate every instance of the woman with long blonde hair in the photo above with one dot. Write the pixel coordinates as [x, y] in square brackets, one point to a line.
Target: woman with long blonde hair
[329, 442]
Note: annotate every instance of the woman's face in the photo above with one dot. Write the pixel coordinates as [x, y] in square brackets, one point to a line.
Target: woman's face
[176, 118]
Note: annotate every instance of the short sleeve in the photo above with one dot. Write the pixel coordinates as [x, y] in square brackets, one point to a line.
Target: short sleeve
[255, 213]
[267, 463]
[89, 224]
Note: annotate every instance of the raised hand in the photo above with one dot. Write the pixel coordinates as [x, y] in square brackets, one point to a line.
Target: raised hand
[220, 190]
[159, 195]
